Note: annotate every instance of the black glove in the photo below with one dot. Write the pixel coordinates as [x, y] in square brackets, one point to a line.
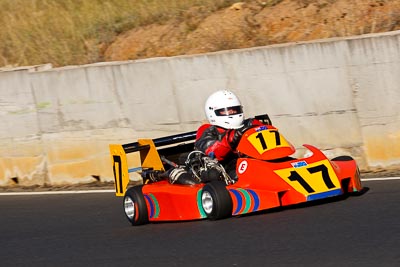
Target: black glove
[247, 124]
[238, 133]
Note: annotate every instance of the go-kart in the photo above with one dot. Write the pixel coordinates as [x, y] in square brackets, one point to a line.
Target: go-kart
[268, 176]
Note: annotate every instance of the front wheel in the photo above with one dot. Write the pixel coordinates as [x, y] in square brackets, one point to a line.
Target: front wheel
[216, 200]
[135, 206]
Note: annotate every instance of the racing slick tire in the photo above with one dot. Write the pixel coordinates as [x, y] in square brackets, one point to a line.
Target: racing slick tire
[216, 200]
[135, 206]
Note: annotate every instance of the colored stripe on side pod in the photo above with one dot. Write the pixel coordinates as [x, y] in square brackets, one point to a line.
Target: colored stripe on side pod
[247, 200]
[154, 206]
[255, 198]
[199, 205]
[148, 198]
[239, 200]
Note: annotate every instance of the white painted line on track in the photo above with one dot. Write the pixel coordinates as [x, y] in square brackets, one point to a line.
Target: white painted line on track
[379, 179]
[113, 191]
[57, 192]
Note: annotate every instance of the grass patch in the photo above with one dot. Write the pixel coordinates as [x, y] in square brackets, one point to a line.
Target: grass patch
[70, 32]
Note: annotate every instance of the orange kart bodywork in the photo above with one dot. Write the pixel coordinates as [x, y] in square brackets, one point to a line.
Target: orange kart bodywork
[267, 178]
[259, 188]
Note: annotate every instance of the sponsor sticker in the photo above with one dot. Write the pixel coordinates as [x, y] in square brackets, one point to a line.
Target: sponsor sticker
[242, 167]
[299, 164]
[261, 128]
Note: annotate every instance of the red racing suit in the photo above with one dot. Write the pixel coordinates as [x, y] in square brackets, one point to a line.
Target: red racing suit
[220, 143]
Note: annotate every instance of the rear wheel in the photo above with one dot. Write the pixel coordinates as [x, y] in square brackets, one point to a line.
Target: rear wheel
[135, 206]
[216, 200]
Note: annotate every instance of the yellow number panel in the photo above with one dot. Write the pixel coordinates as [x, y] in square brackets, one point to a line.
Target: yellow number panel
[310, 179]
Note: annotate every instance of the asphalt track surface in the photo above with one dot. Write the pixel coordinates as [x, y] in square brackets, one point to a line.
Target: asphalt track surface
[91, 230]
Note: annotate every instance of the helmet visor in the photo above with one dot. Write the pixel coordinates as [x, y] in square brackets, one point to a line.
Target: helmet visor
[229, 111]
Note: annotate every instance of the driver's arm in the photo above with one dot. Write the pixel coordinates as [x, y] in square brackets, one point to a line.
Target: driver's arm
[213, 142]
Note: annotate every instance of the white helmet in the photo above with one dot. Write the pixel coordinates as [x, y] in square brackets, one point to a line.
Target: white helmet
[224, 109]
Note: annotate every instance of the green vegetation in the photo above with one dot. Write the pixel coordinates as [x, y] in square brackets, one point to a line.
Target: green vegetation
[69, 32]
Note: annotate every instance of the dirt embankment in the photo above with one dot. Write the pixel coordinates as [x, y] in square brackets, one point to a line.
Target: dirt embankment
[256, 23]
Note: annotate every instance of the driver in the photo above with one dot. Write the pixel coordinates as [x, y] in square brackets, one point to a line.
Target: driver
[220, 137]
[217, 139]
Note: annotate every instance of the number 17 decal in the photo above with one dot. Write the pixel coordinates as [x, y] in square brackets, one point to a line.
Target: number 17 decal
[314, 178]
[294, 176]
[267, 140]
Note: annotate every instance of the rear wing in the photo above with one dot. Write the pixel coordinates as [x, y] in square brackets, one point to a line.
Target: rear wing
[150, 151]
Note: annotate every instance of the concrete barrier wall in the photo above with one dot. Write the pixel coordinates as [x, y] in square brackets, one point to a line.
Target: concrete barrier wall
[341, 95]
